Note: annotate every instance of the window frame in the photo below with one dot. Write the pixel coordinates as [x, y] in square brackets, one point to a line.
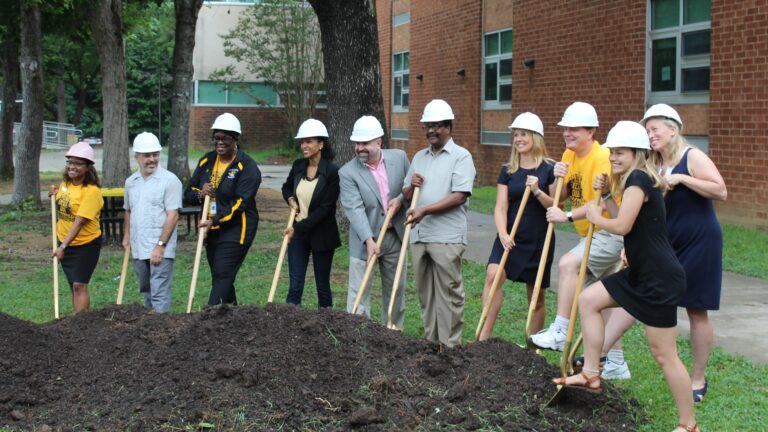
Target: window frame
[497, 59]
[402, 73]
[677, 96]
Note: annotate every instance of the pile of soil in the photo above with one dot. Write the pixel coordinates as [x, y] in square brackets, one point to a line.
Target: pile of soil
[280, 367]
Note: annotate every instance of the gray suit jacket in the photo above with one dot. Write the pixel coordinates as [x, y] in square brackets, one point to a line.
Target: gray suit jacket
[361, 201]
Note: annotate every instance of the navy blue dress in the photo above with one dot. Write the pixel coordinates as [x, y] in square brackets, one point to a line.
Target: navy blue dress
[653, 284]
[523, 260]
[697, 239]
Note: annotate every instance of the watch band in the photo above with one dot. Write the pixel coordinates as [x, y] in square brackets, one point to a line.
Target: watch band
[569, 215]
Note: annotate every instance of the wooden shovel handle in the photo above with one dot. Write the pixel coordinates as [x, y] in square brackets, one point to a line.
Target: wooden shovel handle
[281, 257]
[123, 275]
[372, 261]
[542, 262]
[502, 263]
[198, 253]
[579, 287]
[401, 259]
[55, 259]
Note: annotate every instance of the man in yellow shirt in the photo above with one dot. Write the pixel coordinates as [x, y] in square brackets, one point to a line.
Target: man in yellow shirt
[583, 160]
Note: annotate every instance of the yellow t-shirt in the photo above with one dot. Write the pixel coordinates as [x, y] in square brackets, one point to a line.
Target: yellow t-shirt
[581, 174]
[218, 170]
[76, 200]
[304, 192]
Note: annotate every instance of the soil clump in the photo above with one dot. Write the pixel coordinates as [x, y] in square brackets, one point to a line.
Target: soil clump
[281, 367]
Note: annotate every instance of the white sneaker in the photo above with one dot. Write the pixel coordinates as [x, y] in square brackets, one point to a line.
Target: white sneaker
[552, 338]
[613, 370]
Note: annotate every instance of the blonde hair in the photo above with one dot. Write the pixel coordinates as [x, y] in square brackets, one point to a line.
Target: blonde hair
[642, 163]
[676, 144]
[539, 152]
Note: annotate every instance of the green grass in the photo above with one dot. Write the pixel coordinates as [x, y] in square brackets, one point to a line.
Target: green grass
[738, 400]
[744, 250]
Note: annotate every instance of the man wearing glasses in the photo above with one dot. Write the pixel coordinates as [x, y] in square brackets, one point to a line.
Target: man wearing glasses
[444, 172]
[152, 202]
[370, 187]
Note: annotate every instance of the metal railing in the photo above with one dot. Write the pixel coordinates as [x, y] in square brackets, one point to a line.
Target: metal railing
[55, 135]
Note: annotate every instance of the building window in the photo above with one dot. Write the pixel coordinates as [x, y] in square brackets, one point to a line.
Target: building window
[243, 93]
[497, 73]
[680, 41]
[401, 76]
[401, 19]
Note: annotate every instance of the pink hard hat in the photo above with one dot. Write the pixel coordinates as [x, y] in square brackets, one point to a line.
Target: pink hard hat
[82, 150]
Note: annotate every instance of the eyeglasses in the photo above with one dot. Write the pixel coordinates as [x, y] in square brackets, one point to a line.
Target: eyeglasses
[226, 139]
[75, 163]
[433, 126]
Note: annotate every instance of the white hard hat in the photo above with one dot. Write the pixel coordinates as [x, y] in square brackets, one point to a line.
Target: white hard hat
[227, 122]
[312, 128]
[579, 114]
[628, 134]
[146, 142]
[528, 121]
[437, 110]
[366, 128]
[662, 110]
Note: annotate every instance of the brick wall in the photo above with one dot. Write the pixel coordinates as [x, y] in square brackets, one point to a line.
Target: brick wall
[262, 127]
[738, 108]
[446, 36]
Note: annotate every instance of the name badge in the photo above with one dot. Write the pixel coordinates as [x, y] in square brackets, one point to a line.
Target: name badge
[213, 208]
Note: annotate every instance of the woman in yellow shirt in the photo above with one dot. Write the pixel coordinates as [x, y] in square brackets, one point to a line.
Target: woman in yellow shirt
[78, 203]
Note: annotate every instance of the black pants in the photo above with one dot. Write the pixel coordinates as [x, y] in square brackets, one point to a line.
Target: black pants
[298, 260]
[224, 259]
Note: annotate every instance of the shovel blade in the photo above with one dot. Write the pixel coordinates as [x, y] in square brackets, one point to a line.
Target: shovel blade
[557, 396]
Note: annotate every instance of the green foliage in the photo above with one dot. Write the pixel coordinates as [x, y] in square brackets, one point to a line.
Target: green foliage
[279, 41]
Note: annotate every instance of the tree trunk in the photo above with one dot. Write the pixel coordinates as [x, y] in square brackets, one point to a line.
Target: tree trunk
[26, 179]
[186, 21]
[61, 102]
[106, 21]
[10, 91]
[351, 64]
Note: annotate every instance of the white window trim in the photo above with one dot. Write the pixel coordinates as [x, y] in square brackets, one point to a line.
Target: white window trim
[495, 105]
[676, 97]
[401, 73]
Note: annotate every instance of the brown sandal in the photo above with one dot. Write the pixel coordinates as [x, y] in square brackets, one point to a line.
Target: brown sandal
[686, 428]
[585, 386]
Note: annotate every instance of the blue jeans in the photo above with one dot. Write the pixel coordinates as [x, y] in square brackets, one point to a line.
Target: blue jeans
[298, 260]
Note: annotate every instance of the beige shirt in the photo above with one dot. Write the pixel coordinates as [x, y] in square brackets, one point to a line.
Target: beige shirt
[304, 192]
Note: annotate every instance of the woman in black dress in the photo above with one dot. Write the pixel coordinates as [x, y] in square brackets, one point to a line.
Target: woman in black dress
[528, 167]
[653, 284]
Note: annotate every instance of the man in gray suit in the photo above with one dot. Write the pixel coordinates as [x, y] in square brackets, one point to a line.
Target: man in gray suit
[371, 185]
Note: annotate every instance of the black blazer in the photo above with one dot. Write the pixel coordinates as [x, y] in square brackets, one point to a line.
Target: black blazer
[319, 228]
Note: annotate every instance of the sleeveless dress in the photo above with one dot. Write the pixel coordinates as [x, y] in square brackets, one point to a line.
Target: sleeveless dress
[653, 284]
[697, 239]
[523, 260]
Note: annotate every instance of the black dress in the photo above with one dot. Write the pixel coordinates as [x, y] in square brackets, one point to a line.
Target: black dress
[523, 260]
[653, 284]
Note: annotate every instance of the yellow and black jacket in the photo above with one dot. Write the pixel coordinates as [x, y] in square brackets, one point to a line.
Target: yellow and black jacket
[236, 216]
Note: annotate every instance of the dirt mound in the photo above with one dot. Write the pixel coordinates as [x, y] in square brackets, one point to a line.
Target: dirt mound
[279, 367]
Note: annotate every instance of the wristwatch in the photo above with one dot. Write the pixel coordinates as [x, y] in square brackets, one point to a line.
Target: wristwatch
[569, 215]
[161, 243]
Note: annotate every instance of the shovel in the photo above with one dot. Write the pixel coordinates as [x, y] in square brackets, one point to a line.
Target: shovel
[502, 263]
[542, 264]
[123, 275]
[283, 249]
[55, 260]
[198, 253]
[567, 354]
[401, 260]
[371, 262]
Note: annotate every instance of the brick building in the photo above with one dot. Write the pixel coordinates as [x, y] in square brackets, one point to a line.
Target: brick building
[492, 59]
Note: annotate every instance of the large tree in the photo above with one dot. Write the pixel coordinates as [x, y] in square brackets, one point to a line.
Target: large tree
[351, 62]
[26, 179]
[10, 51]
[186, 22]
[106, 22]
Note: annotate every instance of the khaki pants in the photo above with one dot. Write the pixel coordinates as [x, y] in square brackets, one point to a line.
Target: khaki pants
[437, 271]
